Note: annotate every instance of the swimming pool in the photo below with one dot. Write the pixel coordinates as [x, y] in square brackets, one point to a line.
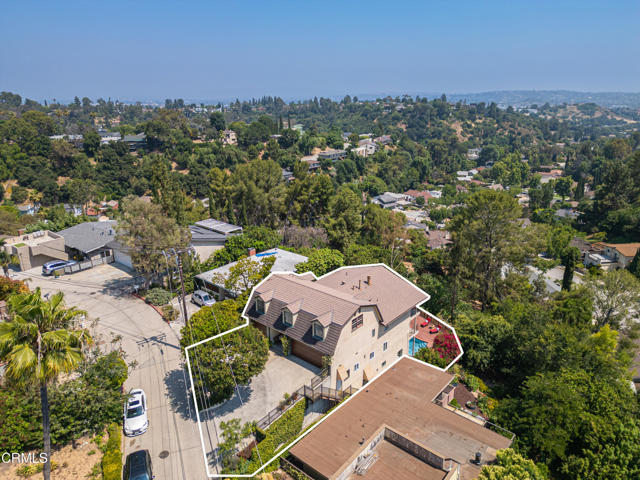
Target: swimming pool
[416, 344]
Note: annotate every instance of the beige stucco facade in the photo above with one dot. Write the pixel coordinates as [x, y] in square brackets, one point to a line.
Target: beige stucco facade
[370, 347]
[37, 248]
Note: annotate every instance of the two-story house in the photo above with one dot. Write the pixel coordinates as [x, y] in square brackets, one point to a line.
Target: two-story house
[357, 317]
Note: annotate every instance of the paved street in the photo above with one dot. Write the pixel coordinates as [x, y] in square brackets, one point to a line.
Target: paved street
[152, 346]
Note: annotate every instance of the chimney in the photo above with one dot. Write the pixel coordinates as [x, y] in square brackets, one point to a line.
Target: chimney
[251, 251]
[369, 280]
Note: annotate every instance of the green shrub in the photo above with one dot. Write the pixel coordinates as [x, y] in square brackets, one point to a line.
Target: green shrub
[169, 314]
[281, 432]
[158, 296]
[29, 470]
[285, 345]
[112, 459]
[454, 403]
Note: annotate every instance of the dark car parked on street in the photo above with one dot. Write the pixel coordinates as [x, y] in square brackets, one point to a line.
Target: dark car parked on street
[138, 466]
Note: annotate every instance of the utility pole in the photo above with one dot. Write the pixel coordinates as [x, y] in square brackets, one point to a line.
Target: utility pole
[183, 302]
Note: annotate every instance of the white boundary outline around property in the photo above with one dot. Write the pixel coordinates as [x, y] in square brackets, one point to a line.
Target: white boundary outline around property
[246, 324]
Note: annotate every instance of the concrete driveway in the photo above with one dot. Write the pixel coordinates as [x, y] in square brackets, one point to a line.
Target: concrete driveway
[265, 391]
[153, 353]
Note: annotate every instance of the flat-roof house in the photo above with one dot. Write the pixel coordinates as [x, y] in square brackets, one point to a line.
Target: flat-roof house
[359, 317]
[312, 161]
[210, 235]
[332, 154]
[383, 140]
[106, 137]
[209, 281]
[35, 249]
[390, 199]
[400, 428]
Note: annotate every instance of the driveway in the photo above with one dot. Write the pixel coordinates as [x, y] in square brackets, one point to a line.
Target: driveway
[119, 320]
[265, 391]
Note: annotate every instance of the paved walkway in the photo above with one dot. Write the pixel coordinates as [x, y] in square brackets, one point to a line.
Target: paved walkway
[152, 349]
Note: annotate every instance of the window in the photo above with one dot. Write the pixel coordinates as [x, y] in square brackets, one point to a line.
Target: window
[373, 332]
[384, 364]
[371, 355]
[400, 352]
[356, 323]
[356, 367]
[259, 305]
[287, 317]
[318, 331]
[384, 346]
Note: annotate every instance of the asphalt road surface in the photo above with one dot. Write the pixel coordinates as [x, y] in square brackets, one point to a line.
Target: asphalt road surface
[153, 353]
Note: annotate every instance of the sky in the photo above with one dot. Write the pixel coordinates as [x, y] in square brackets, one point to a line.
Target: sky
[214, 50]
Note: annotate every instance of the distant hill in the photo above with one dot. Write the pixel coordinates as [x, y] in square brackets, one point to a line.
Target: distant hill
[525, 98]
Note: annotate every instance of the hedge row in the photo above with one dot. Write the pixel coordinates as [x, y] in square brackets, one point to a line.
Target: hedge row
[282, 432]
[112, 459]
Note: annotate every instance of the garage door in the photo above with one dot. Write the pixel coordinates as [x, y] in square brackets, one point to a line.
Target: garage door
[123, 259]
[307, 353]
[260, 327]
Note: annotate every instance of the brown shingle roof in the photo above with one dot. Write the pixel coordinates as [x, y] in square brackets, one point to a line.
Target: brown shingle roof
[626, 249]
[402, 399]
[391, 293]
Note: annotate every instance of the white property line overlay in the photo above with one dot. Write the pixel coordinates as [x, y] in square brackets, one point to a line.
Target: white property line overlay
[246, 324]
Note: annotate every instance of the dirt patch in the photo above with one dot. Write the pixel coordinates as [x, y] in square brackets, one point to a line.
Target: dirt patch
[73, 462]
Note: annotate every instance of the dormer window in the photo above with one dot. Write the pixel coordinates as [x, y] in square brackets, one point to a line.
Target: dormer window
[287, 317]
[260, 306]
[317, 331]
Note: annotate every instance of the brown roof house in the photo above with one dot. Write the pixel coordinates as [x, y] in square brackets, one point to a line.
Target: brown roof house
[400, 427]
[359, 317]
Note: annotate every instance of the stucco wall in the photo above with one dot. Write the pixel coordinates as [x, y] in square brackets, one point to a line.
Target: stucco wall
[357, 346]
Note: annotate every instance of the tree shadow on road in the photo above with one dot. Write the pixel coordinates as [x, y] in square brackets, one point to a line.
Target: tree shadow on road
[179, 389]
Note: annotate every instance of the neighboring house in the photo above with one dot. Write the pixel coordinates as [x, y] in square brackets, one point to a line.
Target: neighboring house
[312, 162]
[365, 150]
[359, 317]
[76, 140]
[285, 261]
[464, 175]
[210, 235]
[75, 210]
[229, 137]
[383, 140]
[474, 153]
[35, 249]
[28, 209]
[400, 427]
[546, 177]
[287, 175]
[106, 137]
[413, 225]
[613, 256]
[414, 194]
[438, 239]
[390, 199]
[332, 154]
[570, 213]
[135, 141]
[89, 240]
[436, 193]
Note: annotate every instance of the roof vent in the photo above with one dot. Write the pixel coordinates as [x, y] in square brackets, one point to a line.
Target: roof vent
[478, 458]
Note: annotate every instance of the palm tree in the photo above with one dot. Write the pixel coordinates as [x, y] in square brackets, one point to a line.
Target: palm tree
[41, 341]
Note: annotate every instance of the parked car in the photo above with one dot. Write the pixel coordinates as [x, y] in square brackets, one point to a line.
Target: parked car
[50, 267]
[202, 298]
[135, 413]
[137, 466]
